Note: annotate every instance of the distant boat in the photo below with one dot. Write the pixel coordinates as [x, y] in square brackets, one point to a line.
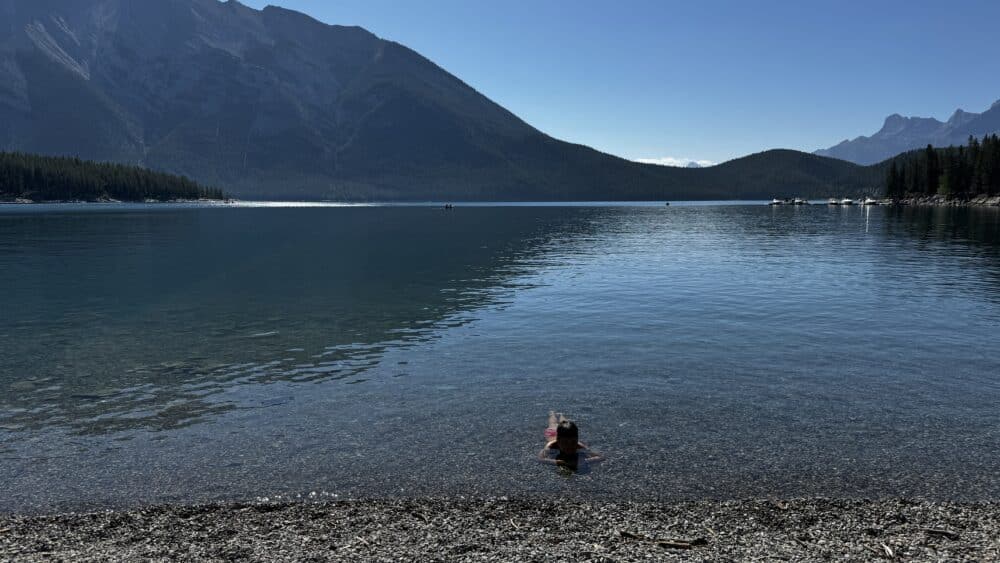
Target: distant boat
[449, 206]
[847, 201]
[789, 201]
[667, 204]
[870, 201]
[833, 201]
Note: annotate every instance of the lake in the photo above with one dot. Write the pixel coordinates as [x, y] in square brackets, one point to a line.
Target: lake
[197, 353]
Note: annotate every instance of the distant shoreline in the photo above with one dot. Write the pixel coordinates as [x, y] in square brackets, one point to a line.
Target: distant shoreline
[940, 200]
[26, 201]
[926, 201]
[502, 529]
[389, 203]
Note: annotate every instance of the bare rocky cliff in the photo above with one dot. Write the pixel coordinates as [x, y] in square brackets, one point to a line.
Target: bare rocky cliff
[900, 134]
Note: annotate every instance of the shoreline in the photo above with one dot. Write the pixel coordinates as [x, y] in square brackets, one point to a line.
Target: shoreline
[922, 201]
[502, 529]
[942, 201]
[23, 201]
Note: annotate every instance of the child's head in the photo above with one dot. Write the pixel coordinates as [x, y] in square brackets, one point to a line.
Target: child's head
[567, 436]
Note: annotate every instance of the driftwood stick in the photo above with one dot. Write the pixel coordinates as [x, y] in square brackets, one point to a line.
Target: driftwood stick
[679, 544]
[670, 544]
[888, 551]
[943, 533]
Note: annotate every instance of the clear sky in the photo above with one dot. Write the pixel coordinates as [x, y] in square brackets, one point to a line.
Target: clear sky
[701, 79]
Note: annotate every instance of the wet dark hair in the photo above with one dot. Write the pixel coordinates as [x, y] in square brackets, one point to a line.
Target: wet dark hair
[567, 429]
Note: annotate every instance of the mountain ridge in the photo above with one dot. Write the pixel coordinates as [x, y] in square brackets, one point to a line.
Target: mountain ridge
[900, 134]
[275, 104]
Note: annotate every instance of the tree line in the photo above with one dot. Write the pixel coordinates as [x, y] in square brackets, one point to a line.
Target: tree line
[46, 178]
[959, 172]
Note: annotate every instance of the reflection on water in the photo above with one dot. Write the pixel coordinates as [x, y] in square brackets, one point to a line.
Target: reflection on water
[137, 320]
[158, 354]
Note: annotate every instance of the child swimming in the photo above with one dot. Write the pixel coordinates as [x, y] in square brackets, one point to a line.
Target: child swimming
[566, 445]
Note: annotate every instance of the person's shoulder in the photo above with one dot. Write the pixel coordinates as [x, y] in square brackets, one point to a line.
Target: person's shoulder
[552, 445]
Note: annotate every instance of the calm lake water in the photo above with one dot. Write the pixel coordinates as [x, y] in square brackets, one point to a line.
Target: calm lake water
[178, 354]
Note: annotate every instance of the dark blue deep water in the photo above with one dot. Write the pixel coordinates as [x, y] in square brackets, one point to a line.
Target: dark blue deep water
[182, 354]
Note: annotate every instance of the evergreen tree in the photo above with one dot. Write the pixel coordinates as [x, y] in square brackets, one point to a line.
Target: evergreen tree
[53, 178]
[932, 171]
[959, 172]
[896, 185]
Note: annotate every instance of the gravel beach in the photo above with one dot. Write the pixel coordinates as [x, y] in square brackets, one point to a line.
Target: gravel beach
[525, 529]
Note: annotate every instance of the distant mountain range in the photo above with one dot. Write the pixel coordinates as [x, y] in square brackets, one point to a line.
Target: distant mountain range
[900, 134]
[274, 104]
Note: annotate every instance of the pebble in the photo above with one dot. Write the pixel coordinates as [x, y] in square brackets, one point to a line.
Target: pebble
[523, 529]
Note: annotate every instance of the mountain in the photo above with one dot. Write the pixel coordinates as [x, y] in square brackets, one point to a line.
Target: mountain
[900, 134]
[786, 173]
[274, 104]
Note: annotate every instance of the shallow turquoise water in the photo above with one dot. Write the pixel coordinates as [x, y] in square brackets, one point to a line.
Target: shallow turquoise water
[172, 353]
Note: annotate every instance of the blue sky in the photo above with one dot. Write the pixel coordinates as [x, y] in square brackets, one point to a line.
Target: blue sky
[703, 80]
